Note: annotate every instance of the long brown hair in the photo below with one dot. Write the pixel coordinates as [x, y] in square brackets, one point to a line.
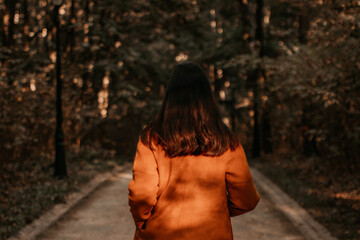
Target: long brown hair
[189, 121]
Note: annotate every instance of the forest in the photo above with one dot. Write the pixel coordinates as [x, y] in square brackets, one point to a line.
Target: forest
[286, 74]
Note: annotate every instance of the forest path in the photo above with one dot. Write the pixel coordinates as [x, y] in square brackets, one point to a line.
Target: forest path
[104, 214]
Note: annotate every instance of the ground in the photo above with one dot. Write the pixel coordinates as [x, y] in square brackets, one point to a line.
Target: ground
[104, 214]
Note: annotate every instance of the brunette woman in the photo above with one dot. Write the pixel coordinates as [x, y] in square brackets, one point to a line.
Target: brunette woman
[190, 173]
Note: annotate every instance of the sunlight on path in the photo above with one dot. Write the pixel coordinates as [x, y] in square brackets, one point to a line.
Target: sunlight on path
[265, 222]
[105, 215]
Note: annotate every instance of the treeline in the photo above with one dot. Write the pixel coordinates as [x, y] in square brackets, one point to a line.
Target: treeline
[285, 72]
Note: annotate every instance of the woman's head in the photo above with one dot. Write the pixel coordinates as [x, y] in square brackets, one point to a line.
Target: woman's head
[189, 121]
[188, 96]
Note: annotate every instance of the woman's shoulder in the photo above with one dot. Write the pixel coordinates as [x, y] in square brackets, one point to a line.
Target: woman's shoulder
[147, 139]
[234, 153]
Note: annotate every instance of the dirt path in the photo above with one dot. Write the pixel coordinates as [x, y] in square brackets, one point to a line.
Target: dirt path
[104, 215]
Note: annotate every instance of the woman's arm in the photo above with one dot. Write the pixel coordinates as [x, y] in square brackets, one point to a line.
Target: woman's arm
[144, 185]
[242, 193]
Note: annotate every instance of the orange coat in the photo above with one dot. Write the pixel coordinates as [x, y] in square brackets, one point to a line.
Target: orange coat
[189, 197]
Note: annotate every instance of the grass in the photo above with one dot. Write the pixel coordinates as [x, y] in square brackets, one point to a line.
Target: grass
[29, 189]
[328, 192]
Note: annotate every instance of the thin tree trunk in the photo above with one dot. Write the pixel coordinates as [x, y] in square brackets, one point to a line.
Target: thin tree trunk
[259, 37]
[256, 147]
[266, 130]
[87, 10]
[2, 29]
[245, 18]
[11, 4]
[303, 23]
[87, 18]
[233, 111]
[259, 33]
[309, 144]
[266, 121]
[26, 12]
[71, 40]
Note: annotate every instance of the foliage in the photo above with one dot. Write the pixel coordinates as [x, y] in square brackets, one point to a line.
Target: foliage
[319, 82]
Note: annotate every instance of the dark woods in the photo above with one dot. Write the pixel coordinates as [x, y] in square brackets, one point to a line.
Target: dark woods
[285, 74]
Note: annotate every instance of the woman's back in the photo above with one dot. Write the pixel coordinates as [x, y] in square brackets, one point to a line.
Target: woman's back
[194, 195]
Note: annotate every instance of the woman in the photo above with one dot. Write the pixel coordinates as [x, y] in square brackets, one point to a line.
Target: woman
[190, 174]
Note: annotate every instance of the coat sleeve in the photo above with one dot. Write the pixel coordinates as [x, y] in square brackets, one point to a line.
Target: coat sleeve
[242, 193]
[144, 185]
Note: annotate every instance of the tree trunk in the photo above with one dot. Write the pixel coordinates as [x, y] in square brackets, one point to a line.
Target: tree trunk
[71, 37]
[265, 121]
[259, 37]
[87, 10]
[303, 23]
[309, 145]
[266, 130]
[26, 12]
[253, 76]
[60, 169]
[11, 4]
[245, 18]
[259, 33]
[2, 30]
[87, 19]
[256, 147]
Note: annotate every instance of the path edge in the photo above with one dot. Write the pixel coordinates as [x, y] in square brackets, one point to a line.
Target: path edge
[39, 225]
[299, 217]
